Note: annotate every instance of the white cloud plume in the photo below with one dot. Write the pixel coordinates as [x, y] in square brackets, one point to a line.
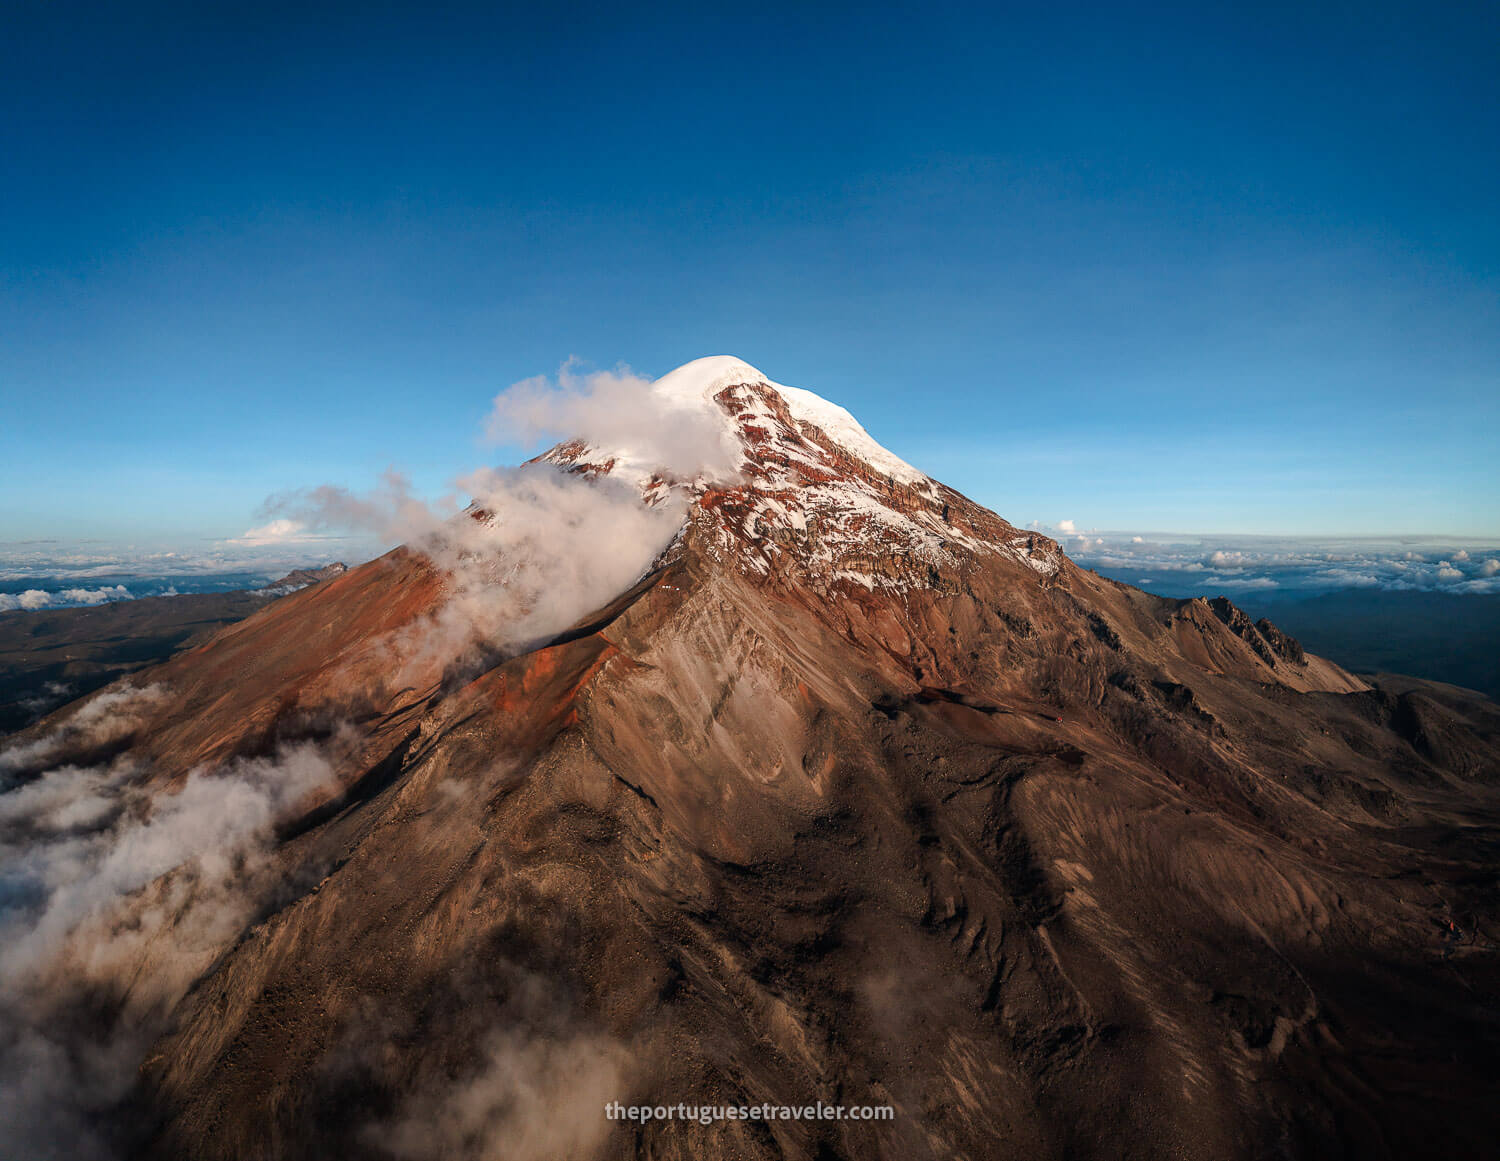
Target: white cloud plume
[618, 412]
[540, 546]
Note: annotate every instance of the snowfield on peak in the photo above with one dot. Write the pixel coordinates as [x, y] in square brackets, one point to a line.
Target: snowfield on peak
[813, 492]
[704, 378]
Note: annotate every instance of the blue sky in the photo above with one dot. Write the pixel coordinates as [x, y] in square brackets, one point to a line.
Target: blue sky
[1198, 267]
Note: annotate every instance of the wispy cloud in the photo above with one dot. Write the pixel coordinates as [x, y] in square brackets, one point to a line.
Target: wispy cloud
[537, 546]
[115, 895]
[616, 410]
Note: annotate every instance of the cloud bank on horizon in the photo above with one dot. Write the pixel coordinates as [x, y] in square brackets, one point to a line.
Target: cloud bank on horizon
[1283, 566]
[1165, 563]
[40, 575]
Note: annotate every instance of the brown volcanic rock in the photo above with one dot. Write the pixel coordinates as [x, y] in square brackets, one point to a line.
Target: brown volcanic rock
[838, 805]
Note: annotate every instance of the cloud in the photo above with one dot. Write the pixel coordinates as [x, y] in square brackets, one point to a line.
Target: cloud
[1066, 526]
[539, 546]
[34, 599]
[79, 841]
[1244, 584]
[1479, 586]
[1347, 578]
[390, 511]
[109, 717]
[551, 547]
[279, 531]
[618, 412]
[204, 569]
[1193, 565]
[115, 896]
[534, 1098]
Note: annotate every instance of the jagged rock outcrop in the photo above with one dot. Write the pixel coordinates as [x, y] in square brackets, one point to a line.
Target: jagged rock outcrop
[1282, 644]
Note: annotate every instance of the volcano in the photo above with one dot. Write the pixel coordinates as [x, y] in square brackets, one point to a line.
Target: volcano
[859, 796]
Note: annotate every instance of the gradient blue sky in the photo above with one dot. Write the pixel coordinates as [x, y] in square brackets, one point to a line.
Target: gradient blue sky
[1171, 267]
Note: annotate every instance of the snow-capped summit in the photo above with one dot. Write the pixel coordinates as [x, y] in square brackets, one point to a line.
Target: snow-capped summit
[704, 379]
[815, 494]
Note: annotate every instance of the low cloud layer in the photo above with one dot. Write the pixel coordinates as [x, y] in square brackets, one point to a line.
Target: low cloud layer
[1284, 566]
[34, 599]
[42, 575]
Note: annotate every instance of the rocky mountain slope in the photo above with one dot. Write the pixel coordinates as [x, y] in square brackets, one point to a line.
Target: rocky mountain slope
[859, 795]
